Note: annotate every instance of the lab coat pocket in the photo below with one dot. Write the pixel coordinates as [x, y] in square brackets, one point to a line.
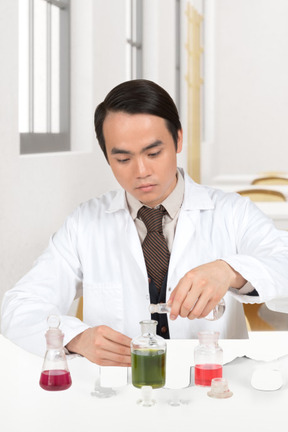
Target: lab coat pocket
[103, 304]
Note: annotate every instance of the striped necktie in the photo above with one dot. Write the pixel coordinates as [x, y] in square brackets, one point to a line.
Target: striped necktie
[154, 246]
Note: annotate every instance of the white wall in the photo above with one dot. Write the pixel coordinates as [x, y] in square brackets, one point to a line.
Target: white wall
[38, 191]
[247, 88]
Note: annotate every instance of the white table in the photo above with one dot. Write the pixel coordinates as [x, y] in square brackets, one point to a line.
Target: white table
[24, 406]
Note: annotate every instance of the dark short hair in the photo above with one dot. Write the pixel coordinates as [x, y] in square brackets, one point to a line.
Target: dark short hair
[138, 97]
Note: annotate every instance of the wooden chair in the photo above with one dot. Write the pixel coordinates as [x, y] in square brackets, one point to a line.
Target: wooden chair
[262, 195]
[270, 180]
[273, 173]
[255, 322]
[79, 313]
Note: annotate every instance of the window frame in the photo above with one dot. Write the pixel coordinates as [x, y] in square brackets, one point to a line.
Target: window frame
[135, 38]
[33, 142]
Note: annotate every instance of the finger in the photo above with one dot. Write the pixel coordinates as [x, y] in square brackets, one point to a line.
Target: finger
[108, 358]
[189, 304]
[112, 347]
[112, 363]
[112, 341]
[178, 296]
[190, 301]
[172, 295]
[201, 308]
[196, 311]
[114, 336]
[209, 308]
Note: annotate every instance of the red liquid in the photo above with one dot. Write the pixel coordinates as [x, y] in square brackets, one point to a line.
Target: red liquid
[205, 372]
[55, 380]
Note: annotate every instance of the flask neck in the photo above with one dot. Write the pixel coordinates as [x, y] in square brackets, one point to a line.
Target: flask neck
[54, 338]
[148, 327]
[208, 338]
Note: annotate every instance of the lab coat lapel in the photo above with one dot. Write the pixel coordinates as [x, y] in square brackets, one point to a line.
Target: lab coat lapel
[134, 245]
[196, 199]
[129, 235]
[186, 226]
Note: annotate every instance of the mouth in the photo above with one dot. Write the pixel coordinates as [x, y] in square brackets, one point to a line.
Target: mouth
[146, 187]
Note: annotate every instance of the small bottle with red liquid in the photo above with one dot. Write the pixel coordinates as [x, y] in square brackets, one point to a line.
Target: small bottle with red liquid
[55, 374]
[208, 359]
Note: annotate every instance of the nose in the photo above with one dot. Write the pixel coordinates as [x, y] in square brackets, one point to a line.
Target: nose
[142, 168]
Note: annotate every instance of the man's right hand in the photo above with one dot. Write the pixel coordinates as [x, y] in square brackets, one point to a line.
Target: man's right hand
[102, 345]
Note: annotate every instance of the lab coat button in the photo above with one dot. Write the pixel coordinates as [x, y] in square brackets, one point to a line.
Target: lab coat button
[164, 329]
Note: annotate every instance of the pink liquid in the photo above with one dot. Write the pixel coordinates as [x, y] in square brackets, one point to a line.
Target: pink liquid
[205, 372]
[55, 380]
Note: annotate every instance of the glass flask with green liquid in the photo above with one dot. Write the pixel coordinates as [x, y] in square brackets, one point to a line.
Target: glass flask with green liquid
[148, 357]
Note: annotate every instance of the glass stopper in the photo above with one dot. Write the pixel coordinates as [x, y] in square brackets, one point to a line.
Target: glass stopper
[53, 321]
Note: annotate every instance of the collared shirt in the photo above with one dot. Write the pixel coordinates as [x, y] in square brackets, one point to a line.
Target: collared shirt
[172, 205]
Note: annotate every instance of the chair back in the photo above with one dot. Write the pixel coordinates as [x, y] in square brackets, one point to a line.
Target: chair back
[253, 320]
[270, 180]
[262, 195]
[79, 312]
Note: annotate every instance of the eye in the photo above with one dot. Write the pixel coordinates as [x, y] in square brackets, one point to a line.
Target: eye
[155, 154]
[122, 161]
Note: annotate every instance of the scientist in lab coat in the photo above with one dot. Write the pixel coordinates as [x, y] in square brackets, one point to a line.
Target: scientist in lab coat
[220, 245]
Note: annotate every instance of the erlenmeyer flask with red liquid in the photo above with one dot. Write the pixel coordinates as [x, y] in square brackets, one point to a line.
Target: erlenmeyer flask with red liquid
[55, 374]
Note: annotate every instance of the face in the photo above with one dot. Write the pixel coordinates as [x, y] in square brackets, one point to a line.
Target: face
[142, 155]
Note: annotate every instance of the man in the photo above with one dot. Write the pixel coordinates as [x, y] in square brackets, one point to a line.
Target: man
[216, 245]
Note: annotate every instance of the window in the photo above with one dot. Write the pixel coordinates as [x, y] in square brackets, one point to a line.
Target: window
[178, 53]
[44, 84]
[134, 38]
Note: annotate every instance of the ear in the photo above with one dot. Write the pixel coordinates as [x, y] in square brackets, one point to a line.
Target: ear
[179, 141]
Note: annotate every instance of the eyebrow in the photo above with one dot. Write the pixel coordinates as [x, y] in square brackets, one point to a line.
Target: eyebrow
[116, 150]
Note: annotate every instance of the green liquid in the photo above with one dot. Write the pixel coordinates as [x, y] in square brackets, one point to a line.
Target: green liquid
[148, 368]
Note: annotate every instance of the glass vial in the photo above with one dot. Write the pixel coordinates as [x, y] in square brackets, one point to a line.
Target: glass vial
[148, 357]
[55, 374]
[208, 359]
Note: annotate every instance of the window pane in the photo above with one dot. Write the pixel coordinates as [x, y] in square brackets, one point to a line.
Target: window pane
[128, 37]
[24, 66]
[40, 66]
[134, 15]
[44, 83]
[55, 70]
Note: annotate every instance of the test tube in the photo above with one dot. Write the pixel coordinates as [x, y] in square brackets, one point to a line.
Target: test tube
[214, 315]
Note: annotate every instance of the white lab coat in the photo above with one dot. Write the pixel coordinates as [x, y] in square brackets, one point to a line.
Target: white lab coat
[97, 252]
